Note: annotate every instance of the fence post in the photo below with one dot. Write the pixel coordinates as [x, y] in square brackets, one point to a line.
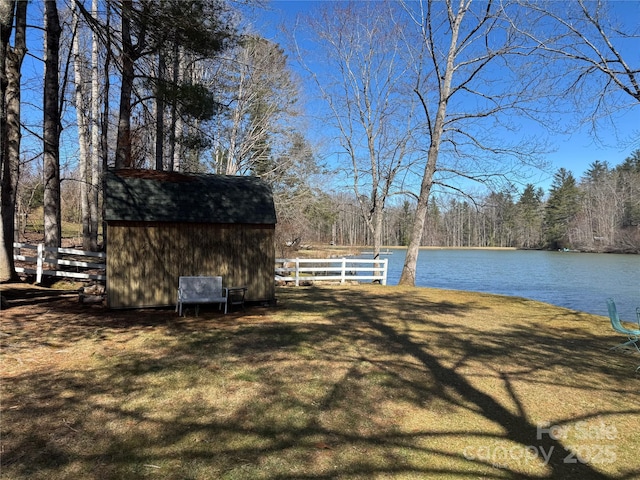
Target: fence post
[39, 262]
[384, 272]
[343, 272]
[297, 272]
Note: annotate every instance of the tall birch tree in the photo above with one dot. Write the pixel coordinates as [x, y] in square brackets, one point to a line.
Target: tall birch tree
[82, 119]
[87, 104]
[96, 143]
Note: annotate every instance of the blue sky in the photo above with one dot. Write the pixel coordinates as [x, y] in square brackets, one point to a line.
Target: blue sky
[617, 136]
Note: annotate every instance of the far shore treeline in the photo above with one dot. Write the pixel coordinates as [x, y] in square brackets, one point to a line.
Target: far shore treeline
[599, 212]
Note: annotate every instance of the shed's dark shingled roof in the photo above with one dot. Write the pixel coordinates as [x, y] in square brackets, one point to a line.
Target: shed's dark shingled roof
[154, 196]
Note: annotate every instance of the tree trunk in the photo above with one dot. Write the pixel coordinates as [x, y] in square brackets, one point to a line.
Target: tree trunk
[10, 135]
[95, 135]
[123, 143]
[162, 71]
[51, 128]
[83, 135]
[175, 152]
[408, 275]
[104, 126]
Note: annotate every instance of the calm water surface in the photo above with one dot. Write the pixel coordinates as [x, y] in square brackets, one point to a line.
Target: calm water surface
[581, 281]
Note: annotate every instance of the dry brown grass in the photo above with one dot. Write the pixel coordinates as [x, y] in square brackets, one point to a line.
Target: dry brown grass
[336, 382]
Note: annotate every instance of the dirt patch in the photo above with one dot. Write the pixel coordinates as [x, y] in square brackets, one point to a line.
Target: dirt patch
[32, 312]
[35, 238]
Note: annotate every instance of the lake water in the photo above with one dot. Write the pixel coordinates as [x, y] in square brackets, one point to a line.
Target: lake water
[581, 281]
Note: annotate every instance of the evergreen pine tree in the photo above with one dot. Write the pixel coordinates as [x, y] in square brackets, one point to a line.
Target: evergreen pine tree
[561, 209]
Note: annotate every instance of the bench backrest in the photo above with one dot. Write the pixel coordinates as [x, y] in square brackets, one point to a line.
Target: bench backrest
[199, 288]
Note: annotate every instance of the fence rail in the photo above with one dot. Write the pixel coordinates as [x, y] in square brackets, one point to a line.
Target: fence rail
[342, 269]
[59, 257]
[286, 269]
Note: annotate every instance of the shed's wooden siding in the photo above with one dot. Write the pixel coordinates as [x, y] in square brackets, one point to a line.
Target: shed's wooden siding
[144, 260]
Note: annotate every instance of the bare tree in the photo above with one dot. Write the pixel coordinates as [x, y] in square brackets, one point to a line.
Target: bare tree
[96, 143]
[177, 125]
[362, 84]
[10, 65]
[587, 53]
[87, 104]
[600, 208]
[467, 83]
[82, 118]
[262, 100]
[160, 109]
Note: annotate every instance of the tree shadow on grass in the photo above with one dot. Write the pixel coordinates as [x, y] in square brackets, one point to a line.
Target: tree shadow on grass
[342, 383]
[518, 428]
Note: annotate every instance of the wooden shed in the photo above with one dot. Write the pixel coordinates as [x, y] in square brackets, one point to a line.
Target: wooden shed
[163, 225]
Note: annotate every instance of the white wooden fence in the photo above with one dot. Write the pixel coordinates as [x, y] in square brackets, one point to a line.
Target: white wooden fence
[66, 257]
[286, 269]
[341, 269]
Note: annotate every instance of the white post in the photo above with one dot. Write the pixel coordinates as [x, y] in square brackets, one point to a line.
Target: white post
[384, 272]
[39, 262]
[297, 272]
[343, 272]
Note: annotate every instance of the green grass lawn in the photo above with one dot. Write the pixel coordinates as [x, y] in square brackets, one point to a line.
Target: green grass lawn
[358, 382]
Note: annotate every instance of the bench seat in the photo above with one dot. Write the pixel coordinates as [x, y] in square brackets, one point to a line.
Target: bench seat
[200, 290]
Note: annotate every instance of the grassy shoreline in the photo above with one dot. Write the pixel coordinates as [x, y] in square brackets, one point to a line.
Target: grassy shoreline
[336, 382]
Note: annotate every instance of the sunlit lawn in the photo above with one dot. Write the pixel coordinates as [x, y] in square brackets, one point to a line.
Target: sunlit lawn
[335, 382]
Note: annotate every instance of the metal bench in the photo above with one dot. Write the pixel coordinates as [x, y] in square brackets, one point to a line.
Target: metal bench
[199, 290]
